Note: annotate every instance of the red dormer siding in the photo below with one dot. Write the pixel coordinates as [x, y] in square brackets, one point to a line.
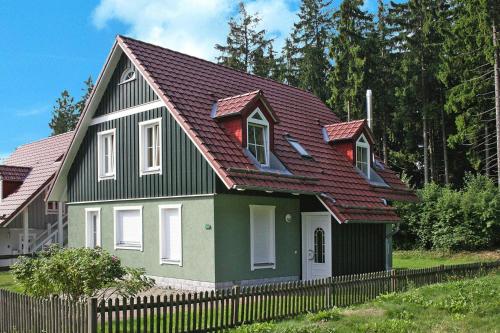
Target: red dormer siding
[347, 149]
[234, 128]
[9, 187]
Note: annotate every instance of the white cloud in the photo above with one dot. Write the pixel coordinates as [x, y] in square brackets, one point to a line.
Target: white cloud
[191, 26]
[33, 111]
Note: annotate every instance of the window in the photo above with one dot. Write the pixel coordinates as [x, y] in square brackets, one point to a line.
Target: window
[106, 154]
[128, 228]
[258, 137]
[52, 207]
[170, 235]
[127, 76]
[262, 243]
[363, 156]
[1, 189]
[298, 147]
[150, 146]
[93, 227]
[319, 246]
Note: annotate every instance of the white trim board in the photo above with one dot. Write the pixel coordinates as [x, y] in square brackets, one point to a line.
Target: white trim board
[127, 112]
[140, 199]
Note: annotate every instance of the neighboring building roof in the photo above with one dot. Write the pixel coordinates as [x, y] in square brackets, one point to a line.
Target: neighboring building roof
[345, 130]
[13, 173]
[43, 159]
[237, 104]
[189, 87]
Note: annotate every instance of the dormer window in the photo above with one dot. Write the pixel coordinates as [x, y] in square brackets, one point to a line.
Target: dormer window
[363, 156]
[258, 137]
[127, 76]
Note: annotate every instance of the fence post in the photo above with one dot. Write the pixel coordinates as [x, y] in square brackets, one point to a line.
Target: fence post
[236, 305]
[92, 315]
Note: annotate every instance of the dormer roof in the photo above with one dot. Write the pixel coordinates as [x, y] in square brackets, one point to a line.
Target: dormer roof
[240, 104]
[345, 131]
[13, 173]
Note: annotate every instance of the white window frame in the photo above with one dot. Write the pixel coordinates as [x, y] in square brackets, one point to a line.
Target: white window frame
[87, 227]
[264, 123]
[122, 246]
[272, 247]
[1, 189]
[368, 153]
[144, 170]
[100, 155]
[54, 211]
[164, 261]
[124, 75]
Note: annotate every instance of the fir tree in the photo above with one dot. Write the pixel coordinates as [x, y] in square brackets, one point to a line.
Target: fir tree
[80, 105]
[245, 45]
[347, 50]
[289, 64]
[64, 115]
[310, 37]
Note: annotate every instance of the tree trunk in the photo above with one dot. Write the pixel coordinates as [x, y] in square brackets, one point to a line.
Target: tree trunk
[432, 161]
[445, 149]
[486, 149]
[384, 137]
[497, 94]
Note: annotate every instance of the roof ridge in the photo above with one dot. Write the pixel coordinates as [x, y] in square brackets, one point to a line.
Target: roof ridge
[240, 95]
[220, 65]
[346, 122]
[44, 139]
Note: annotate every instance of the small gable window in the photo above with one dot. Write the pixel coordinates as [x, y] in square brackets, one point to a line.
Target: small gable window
[258, 137]
[363, 156]
[127, 76]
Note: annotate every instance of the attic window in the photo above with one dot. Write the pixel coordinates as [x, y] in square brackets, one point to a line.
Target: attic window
[127, 76]
[363, 156]
[298, 147]
[258, 137]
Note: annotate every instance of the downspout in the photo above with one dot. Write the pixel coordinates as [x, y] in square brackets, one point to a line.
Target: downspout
[389, 232]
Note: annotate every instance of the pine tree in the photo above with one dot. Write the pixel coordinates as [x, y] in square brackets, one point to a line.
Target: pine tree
[309, 39]
[64, 115]
[245, 45]
[347, 50]
[289, 64]
[80, 105]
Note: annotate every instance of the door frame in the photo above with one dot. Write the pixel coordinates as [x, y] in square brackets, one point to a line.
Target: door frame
[304, 240]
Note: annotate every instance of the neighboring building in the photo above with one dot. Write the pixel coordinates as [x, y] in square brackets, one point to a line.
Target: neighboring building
[24, 215]
[209, 177]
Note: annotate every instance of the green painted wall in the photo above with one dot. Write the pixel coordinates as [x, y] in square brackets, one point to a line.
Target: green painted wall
[232, 237]
[197, 242]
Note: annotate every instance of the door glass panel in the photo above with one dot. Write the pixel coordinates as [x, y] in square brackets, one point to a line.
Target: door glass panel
[319, 246]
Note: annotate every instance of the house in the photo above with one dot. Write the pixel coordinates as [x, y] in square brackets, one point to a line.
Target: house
[24, 213]
[209, 177]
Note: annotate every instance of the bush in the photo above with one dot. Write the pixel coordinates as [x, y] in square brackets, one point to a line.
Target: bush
[77, 273]
[448, 219]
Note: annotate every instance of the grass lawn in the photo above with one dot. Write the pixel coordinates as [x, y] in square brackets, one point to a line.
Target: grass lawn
[7, 282]
[461, 306]
[424, 259]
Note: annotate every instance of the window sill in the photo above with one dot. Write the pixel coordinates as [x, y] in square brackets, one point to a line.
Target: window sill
[151, 172]
[110, 177]
[170, 262]
[128, 247]
[263, 266]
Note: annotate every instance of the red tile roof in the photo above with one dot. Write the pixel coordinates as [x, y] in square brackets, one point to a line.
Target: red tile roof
[234, 104]
[13, 173]
[43, 159]
[190, 87]
[344, 131]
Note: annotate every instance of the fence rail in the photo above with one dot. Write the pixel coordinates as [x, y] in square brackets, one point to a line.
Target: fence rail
[215, 311]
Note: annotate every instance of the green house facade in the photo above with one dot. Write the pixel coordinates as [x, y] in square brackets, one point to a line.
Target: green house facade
[208, 177]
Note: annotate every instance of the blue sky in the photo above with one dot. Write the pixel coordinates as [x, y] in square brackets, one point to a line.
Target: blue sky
[49, 46]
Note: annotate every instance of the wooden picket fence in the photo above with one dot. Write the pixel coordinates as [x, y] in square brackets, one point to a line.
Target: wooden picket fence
[215, 311]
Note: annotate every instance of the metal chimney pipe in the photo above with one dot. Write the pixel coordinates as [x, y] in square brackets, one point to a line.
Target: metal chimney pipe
[369, 115]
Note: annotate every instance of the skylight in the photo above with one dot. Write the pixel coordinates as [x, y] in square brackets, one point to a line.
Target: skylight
[298, 147]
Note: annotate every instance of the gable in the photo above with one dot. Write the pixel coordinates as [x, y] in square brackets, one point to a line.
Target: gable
[119, 96]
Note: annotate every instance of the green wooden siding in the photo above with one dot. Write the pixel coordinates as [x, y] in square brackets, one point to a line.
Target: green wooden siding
[36, 215]
[185, 170]
[122, 96]
[358, 248]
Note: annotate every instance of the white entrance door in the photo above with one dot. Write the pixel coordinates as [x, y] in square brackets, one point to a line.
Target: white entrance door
[316, 246]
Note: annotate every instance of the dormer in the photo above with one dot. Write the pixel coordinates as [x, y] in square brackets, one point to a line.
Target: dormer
[250, 120]
[354, 140]
[11, 178]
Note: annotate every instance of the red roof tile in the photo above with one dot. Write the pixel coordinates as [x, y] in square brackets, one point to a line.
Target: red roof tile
[13, 173]
[234, 104]
[43, 159]
[190, 87]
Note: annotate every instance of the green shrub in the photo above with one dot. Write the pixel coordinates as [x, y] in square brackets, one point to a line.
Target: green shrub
[77, 273]
[449, 219]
